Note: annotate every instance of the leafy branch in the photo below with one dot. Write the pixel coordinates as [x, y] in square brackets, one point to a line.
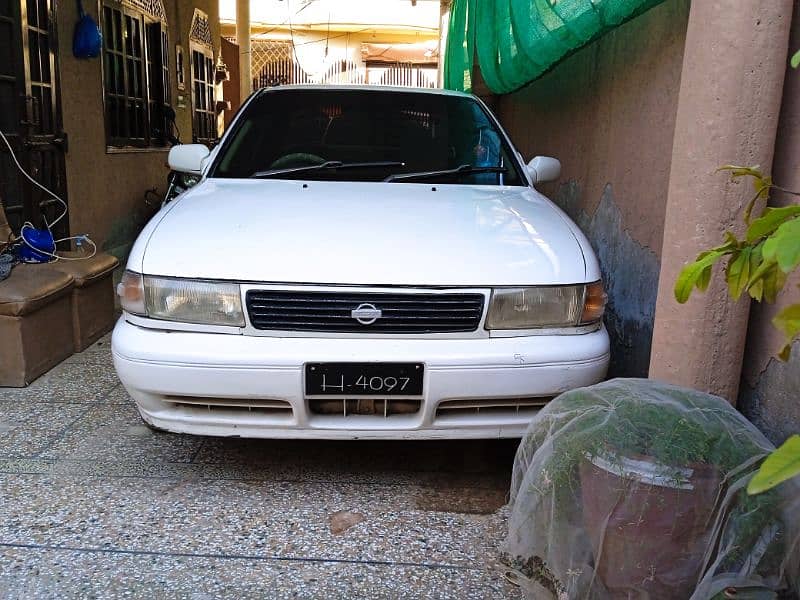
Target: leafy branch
[759, 263]
[780, 466]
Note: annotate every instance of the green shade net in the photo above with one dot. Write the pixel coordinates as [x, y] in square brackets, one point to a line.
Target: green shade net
[518, 40]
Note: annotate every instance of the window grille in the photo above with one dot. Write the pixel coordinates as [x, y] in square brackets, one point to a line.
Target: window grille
[204, 115]
[200, 32]
[135, 73]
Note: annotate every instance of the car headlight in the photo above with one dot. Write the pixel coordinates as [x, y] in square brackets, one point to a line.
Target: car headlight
[184, 300]
[546, 306]
[131, 293]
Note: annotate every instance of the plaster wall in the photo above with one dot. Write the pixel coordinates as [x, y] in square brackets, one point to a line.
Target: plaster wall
[608, 114]
[770, 389]
[106, 187]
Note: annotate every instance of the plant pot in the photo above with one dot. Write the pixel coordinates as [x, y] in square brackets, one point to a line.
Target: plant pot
[648, 523]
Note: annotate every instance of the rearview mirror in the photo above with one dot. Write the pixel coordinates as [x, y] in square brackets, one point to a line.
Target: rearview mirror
[544, 168]
[188, 158]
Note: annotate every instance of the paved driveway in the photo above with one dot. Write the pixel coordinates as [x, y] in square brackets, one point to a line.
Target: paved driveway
[94, 504]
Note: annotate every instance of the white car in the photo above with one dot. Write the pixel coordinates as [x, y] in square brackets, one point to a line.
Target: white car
[359, 263]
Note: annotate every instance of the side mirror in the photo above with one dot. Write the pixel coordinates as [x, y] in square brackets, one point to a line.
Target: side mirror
[544, 168]
[188, 158]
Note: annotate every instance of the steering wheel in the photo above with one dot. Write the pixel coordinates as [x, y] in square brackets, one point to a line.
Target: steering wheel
[297, 159]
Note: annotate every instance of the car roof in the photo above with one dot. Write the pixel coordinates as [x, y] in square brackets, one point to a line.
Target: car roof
[363, 88]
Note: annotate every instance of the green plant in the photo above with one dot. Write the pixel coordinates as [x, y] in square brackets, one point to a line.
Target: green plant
[759, 262]
[618, 481]
[675, 428]
[647, 429]
[780, 466]
[795, 61]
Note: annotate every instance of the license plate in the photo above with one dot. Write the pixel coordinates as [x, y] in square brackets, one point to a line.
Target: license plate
[351, 380]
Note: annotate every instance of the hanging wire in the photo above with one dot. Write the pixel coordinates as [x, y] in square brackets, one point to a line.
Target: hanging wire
[49, 226]
[328, 36]
[288, 19]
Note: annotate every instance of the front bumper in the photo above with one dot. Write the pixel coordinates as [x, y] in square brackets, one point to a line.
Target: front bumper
[245, 386]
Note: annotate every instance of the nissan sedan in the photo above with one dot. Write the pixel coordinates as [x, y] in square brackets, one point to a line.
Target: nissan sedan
[359, 263]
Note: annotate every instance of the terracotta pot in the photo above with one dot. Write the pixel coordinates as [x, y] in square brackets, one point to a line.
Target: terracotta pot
[648, 523]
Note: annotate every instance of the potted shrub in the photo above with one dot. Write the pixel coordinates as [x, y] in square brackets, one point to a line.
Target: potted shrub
[650, 519]
[633, 488]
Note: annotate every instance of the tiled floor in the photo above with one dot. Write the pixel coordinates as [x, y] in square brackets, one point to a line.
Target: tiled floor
[94, 504]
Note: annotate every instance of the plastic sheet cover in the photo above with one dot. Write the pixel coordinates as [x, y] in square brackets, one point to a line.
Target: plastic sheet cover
[636, 489]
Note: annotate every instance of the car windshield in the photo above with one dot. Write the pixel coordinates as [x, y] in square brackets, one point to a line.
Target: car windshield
[367, 135]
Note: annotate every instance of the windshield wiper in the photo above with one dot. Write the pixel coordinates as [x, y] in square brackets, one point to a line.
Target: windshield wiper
[327, 165]
[460, 170]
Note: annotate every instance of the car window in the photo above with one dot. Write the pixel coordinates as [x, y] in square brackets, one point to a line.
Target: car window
[292, 129]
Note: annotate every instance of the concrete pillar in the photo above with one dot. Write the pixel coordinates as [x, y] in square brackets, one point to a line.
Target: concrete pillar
[728, 105]
[245, 54]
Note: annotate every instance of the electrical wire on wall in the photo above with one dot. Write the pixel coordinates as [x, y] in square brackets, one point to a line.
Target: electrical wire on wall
[334, 37]
[37, 234]
[281, 24]
[288, 21]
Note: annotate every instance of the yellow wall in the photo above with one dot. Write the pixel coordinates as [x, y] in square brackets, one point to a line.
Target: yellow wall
[106, 188]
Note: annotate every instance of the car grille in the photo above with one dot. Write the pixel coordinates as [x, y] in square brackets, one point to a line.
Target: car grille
[251, 405]
[381, 407]
[331, 311]
[488, 406]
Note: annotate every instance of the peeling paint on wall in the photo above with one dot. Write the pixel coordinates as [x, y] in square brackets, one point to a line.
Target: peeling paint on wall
[773, 404]
[630, 272]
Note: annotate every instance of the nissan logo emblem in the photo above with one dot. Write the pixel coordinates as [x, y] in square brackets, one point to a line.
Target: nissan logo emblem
[366, 314]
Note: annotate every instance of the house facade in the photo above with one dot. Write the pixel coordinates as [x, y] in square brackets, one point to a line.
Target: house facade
[96, 131]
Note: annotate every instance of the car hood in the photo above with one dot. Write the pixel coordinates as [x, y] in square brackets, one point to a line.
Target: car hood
[363, 234]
